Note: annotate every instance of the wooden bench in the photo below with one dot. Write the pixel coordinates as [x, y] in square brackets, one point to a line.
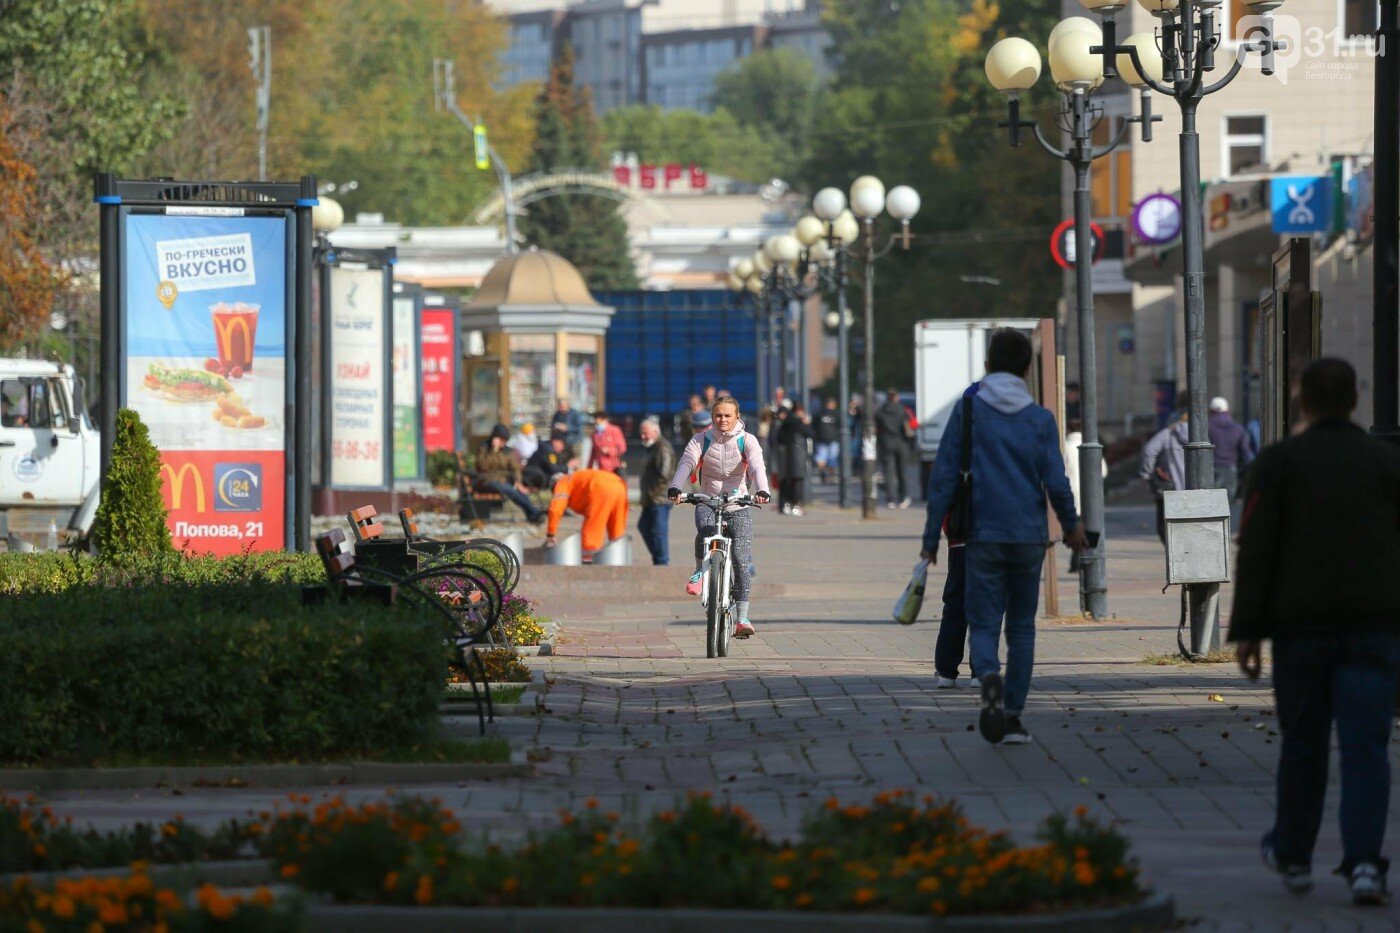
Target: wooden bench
[341, 580]
[474, 505]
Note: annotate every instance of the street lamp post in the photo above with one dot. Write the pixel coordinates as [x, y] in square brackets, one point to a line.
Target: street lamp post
[1012, 66]
[839, 228]
[1188, 37]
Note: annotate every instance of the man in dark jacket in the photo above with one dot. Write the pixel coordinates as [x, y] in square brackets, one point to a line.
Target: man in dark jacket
[892, 441]
[567, 423]
[1317, 573]
[1233, 451]
[826, 449]
[655, 523]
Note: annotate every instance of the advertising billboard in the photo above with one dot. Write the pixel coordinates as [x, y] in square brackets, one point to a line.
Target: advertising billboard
[439, 342]
[205, 338]
[408, 447]
[357, 374]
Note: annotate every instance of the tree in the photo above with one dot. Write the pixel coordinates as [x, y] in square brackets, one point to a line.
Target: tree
[587, 230]
[777, 90]
[27, 283]
[716, 142]
[131, 519]
[910, 104]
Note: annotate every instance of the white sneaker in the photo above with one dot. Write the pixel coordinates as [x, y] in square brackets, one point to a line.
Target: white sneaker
[797, 511]
[787, 509]
[905, 504]
[1368, 885]
[944, 683]
[891, 505]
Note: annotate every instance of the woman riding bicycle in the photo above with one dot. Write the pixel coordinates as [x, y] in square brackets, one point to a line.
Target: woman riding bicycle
[722, 460]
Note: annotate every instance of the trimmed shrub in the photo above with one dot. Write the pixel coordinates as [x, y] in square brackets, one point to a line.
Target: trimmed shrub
[55, 572]
[212, 671]
[442, 468]
[131, 519]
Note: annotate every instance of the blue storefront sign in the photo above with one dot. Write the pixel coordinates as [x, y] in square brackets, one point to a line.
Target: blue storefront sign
[1301, 203]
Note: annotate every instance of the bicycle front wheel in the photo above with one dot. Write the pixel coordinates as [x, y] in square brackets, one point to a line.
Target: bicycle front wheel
[716, 638]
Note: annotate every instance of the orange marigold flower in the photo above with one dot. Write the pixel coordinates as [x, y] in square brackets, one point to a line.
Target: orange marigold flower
[95, 927]
[591, 803]
[940, 908]
[510, 885]
[168, 901]
[1081, 811]
[1120, 872]
[1084, 874]
[665, 816]
[290, 870]
[831, 803]
[586, 879]
[424, 893]
[112, 913]
[628, 848]
[34, 926]
[864, 895]
[781, 883]
[63, 907]
[262, 896]
[169, 830]
[929, 885]
[391, 881]
[803, 900]
[1081, 853]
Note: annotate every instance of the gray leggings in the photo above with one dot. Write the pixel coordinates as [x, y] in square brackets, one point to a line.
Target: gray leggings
[740, 526]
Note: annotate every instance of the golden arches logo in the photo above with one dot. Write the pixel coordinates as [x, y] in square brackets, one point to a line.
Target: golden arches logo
[177, 478]
[224, 325]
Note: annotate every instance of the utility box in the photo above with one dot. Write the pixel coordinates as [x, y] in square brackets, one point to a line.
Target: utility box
[1198, 536]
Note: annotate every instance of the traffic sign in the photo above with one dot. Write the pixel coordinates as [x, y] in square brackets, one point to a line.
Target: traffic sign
[1062, 243]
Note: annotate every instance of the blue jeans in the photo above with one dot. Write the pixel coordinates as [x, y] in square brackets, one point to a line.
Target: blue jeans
[1003, 580]
[509, 491]
[952, 630]
[655, 527]
[1350, 678]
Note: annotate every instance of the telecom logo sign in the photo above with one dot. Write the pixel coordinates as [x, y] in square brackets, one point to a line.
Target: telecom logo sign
[200, 264]
[237, 487]
[1301, 203]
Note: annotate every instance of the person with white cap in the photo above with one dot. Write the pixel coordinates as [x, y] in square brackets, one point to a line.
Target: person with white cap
[1233, 452]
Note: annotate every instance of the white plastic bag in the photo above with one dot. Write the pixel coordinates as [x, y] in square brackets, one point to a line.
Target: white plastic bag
[906, 608]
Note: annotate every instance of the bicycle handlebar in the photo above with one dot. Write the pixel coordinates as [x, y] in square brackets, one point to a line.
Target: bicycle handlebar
[695, 498]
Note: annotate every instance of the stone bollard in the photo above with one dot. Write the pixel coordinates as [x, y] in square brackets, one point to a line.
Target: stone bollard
[615, 554]
[568, 552]
[516, 542]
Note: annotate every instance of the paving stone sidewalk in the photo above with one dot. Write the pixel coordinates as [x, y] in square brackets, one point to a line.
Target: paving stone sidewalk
[832, 698]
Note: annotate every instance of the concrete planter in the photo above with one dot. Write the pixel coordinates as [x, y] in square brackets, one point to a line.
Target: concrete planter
[360, 772]
[239, 873]
[1155, 913]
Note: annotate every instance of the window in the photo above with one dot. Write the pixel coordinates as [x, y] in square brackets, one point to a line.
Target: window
[1244, 144]
[1360, 18]
[1111, 178]
[28, 403]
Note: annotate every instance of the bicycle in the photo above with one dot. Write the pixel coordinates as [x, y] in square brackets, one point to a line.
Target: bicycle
[717, 579]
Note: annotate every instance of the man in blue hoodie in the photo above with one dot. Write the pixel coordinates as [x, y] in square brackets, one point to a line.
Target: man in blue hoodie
[1016, 463]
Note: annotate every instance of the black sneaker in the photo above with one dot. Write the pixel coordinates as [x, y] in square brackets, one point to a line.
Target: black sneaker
[1297, 879]
[1016, 733]
[1367, 883]
[991, 722]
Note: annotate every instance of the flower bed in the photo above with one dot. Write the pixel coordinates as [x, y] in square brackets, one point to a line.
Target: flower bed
[135, 902]
[894, 856]
[520, 622]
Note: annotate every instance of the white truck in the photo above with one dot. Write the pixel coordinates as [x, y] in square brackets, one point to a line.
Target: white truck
[949, 355]
[49, 455]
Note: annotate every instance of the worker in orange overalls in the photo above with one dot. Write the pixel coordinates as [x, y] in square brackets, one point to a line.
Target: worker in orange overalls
[600, 496]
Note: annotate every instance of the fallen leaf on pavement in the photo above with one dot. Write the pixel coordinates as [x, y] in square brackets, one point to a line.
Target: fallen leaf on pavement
[1216, 698]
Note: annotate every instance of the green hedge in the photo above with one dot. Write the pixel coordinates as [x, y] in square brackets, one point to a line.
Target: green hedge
[95, 672]
[57, 572]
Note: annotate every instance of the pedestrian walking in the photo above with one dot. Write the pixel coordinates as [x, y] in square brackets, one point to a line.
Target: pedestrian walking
[827, 439]
[1014, 463]
[949, 649]
[1319, 548]
[609, 446]
[655, 523]
[892, 434]
[1233, 449]
[567, 423]
[1163, 463]
[792, 448]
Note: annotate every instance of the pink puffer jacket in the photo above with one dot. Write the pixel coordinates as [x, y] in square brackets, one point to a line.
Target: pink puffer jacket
[723, 470]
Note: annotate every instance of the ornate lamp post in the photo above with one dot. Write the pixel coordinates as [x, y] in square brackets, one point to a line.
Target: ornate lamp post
[1012, 66]
[839, 231]
[1188, 35]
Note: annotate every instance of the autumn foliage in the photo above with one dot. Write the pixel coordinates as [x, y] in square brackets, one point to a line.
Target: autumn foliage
[27, 283]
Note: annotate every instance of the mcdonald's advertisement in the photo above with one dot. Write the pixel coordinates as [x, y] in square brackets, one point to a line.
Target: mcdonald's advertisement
[205, 356]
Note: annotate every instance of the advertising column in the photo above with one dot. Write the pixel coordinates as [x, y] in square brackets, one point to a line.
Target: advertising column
[439, 378]
[408, 439]
[357, 374]
[205, 344]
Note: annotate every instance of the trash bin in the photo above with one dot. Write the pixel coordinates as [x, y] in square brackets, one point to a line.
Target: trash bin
[516, 542]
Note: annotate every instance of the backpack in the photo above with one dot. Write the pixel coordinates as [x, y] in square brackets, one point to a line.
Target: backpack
[705, 448]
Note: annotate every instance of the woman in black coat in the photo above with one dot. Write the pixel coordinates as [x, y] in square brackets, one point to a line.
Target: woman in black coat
[792, 447]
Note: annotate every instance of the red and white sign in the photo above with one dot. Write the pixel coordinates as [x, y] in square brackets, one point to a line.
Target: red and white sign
[439, 379]
[1062, 243]
[671, 176]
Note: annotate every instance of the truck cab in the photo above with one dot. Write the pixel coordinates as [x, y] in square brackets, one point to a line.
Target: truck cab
[49, 452]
